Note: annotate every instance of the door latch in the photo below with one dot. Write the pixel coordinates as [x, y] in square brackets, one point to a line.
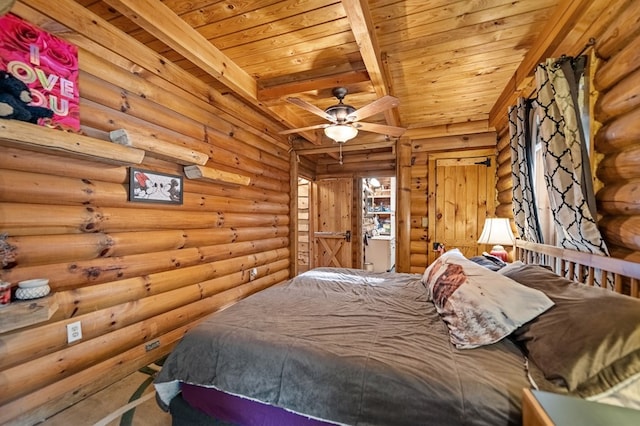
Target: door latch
[347, 236]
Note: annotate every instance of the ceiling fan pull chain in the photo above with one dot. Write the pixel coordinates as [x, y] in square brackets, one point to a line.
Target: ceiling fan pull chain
[340, 154]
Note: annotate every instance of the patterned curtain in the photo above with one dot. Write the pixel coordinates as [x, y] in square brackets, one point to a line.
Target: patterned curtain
[566, 163]
[524, 206]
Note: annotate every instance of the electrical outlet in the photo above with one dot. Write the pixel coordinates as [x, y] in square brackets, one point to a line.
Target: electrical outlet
[74, 332]
[253, 274]
[152, 345]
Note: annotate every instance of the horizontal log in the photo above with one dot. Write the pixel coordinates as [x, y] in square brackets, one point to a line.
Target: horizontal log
[620, 32]
[106, 119]
[619, 199]
[505, 197]
[505, 182]
[181, 92]
[618, 66]
[622, 98]
[619, 166]
[214, 175]
[624, 253]
[146, 117]
[504, 141]
[334, 170]
[32, 343]
[91, 272]
[229, 143]
[55, 165]
[419, 171]
[417, 269]
[37, 219]
[504, 210]
[419, 246]
[87, 299]
[622, 231]
[418, 261]
[28, 161]
[504, 156]
[503, 170]
[20, 380]
[619, 134]
[158, 148]
[419, 234]
[37, 406]
[39, 138]
[27, 187]
[45, 249]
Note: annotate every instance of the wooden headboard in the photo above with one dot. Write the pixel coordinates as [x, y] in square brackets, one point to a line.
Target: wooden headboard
[583, 267]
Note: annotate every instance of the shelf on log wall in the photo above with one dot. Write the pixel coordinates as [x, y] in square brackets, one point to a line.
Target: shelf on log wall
[215, 175]
[23, 313]
[158, 148]
[44, 139]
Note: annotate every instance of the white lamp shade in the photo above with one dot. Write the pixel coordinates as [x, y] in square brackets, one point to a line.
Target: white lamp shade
[340, 132]
[497, 231]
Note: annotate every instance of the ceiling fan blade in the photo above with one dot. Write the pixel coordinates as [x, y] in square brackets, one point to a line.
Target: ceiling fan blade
[303, 129]
[311, 108]
[379, 105]
[380, 128]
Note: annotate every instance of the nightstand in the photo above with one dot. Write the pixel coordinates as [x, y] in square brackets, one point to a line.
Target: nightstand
[550, 409]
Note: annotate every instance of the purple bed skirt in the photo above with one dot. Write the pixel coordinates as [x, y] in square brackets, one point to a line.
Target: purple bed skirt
[241, 411]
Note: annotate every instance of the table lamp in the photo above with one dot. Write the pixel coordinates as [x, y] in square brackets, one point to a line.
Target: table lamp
[497, 231]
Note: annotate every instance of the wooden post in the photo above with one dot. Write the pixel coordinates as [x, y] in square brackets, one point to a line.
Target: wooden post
[403, 205]
[293, 211]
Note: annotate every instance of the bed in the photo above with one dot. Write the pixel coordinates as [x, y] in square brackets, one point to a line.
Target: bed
[352, 347]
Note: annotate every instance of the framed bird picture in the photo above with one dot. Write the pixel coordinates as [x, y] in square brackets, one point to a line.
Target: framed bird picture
[153, 187]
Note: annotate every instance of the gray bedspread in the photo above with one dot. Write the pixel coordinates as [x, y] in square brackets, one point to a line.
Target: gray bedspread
[350, 347]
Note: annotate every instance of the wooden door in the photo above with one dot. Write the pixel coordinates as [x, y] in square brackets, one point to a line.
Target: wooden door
[333, 222]
[462, 197]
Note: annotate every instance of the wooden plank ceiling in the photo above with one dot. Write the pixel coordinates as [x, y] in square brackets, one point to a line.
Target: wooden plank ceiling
[447, 61]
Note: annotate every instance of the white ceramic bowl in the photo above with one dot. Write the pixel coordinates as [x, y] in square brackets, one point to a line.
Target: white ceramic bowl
[32, 292]
[36, 282]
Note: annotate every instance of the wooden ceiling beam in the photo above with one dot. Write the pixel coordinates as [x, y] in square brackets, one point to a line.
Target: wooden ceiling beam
[159, 20]
[280, 91]
[359, 17]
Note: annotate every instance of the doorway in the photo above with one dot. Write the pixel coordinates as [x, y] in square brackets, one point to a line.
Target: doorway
[379, 223]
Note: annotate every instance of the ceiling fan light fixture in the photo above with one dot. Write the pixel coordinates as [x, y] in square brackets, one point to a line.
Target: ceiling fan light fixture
[340, 133]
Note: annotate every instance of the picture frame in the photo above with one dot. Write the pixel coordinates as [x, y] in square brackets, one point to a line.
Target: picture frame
[147, 186]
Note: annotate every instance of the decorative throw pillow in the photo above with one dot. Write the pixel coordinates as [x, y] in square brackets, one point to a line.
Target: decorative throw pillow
[589, 341]
[478, 305]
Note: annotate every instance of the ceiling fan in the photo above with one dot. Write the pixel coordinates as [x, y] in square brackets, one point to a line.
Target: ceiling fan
[344, 120]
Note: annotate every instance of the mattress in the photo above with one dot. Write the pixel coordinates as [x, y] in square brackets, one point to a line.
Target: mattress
[347, 346]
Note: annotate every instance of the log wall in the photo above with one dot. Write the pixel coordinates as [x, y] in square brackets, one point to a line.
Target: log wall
[136, 275]
[616, 141]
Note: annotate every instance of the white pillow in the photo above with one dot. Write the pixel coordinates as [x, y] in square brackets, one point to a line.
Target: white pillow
[478, 305]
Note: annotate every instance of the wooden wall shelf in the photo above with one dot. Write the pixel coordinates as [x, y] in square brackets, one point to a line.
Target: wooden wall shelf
[44, 139]
[23, 313]
[215, 175]
[158, 148]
